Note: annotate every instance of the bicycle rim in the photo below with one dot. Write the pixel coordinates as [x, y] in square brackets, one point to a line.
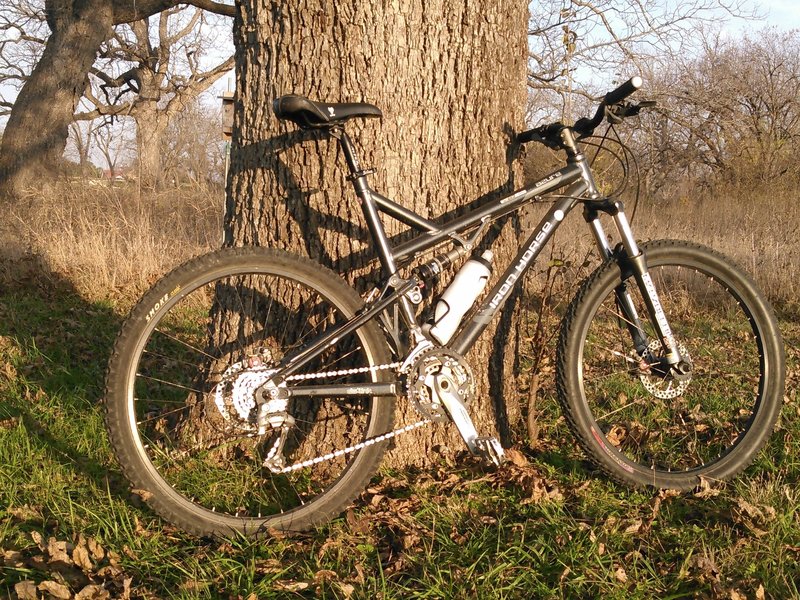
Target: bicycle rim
[193, 429]
[649, 427]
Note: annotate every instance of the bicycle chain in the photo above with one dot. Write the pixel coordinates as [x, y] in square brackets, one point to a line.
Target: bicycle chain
[373, 369]
[369, 441]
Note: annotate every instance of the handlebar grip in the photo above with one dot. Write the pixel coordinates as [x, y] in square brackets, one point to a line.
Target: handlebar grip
[623, 91]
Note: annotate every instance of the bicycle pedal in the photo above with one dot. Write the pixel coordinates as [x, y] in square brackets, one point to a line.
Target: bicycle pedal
[489, 448]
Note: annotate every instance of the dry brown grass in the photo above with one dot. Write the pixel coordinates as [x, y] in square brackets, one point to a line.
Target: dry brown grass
[759, 231]
[113, 241]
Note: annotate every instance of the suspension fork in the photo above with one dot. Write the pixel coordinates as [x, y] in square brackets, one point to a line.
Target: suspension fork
[632, 261]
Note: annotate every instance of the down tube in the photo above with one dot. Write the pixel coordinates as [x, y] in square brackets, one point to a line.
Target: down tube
[502, 289]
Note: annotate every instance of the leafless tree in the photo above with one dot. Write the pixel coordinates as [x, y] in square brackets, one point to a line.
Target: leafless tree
[79, 144]
[579, 46]
[153, 83]
[23, 33]
[732, 113]
[48, 98]
[192, 150]
[113, 145]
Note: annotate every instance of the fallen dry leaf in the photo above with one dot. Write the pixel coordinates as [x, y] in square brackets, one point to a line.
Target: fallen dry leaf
[325, 575]
[8, 371]
[58, 552]
[761, 513]
[80, 556]
[95, 549]
[55, 589]
[269, 565]
[706, 566]
[292, 586]
[93, 592]
[38, 540]
[620, 575]
[410, 540]
[143, 494]
[25, 512]
[26, 590]
[635, 527]
[705, 490]
[12, 558]
[126, 588]
[516, 457]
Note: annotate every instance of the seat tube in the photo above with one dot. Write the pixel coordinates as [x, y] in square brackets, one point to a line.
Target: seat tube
[361, 186]
[359, 179]
[637, 263]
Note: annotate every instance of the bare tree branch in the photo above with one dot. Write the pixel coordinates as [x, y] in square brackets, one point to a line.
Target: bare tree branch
[226, 10]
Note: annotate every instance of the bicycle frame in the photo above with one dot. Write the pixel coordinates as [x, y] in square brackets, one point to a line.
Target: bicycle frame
[579, 186]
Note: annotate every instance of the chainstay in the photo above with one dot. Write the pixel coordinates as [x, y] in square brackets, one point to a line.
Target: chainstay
[361, 445]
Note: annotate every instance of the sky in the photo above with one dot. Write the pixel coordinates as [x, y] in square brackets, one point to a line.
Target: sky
[782, 13]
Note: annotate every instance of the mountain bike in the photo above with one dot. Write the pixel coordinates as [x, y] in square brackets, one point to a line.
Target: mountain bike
[253, 390]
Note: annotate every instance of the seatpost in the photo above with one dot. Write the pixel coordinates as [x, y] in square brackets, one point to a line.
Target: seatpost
[357, 175]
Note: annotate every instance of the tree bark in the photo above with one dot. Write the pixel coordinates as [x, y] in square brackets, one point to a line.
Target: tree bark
[450, 78]
[151, 125]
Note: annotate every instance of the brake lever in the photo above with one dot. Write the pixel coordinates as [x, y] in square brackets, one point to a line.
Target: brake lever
[635, 109]
[616, 113]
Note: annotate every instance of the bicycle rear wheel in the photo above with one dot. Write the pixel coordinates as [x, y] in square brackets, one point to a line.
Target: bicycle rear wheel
[180, 401]
[643, 427]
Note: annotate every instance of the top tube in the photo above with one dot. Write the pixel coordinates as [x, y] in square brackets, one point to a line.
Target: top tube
[492, 210]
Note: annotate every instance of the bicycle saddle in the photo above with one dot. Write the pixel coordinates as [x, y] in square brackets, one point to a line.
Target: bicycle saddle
[309, 114]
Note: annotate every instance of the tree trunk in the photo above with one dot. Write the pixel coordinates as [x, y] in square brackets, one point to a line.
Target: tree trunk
[36, 133]
[151, 123]
[450, 78]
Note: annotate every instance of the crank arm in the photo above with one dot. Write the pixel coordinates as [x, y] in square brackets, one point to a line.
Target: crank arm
[485, 447]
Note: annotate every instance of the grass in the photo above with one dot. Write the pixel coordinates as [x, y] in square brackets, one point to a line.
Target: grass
[546, 527]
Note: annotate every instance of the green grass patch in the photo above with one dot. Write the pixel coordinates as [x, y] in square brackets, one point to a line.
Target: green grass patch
[546, 527]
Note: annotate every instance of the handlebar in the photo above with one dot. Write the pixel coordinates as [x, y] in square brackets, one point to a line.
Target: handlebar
[626, 89]
[549, 134]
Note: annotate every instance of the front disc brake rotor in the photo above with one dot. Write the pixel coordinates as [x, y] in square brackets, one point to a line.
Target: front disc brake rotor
[665, 387]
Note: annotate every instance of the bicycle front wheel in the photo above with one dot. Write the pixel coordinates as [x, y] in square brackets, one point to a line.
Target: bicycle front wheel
[643, 426]
[181, 401]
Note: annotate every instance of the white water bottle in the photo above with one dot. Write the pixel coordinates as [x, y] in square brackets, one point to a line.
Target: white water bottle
[459, 296]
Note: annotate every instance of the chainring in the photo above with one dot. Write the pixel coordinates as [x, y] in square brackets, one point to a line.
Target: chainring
[419, 388]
